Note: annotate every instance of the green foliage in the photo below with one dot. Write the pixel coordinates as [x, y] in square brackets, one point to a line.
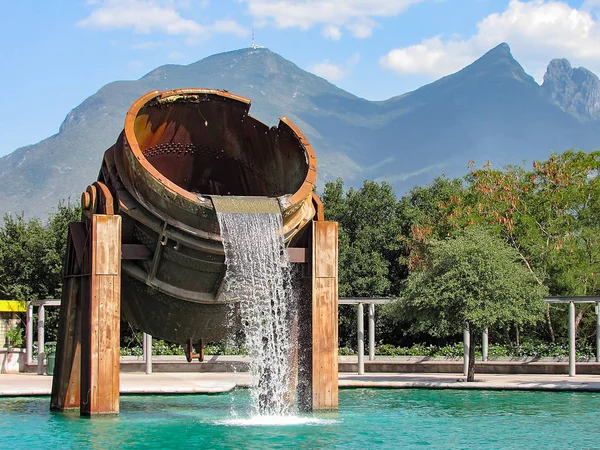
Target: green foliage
[346, 351]
[31, 257]
[529, 349]
[369, 248]
[369, 228]
[549, 214]
[31, 254]
[159, 348]
[225, 348]
[14, 336]
[163, 348]
[473, 279]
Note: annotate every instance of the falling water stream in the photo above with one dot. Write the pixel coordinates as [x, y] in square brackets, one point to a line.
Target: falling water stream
[258, 279]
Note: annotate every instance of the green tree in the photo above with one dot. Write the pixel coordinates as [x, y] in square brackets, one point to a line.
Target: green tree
[426, 213]
[473, 280]
[369, 246]
[549, 215]
[31, 257]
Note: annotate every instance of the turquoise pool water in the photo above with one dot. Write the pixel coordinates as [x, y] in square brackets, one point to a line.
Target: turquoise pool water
[367, 418]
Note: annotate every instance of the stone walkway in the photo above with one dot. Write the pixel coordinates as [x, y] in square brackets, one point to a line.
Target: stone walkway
[526, 382]
[214, 382]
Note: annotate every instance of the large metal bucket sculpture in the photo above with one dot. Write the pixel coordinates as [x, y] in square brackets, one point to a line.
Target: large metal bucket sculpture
[177, 150]
[148, 246]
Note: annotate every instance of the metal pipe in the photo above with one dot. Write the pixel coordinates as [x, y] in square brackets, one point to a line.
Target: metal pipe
[485, 344]
[598, 332]
[572, 354]
[40, 336]
[29, 334]
[144, 346]
[361, 339]
[466, 347]
[148, 353]
[371, 331]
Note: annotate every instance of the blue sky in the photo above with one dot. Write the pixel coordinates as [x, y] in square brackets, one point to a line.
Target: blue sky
[56, 56]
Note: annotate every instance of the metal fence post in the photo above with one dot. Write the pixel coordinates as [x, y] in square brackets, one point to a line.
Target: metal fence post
[485, 344]
[466, 347]
[29, 334]
[148, 353]
[40, 329]
[361, 339]
[572, 354]
[598, 332]
[371, 331]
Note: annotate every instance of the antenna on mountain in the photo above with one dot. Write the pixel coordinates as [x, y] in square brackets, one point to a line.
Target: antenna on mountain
[254, 44]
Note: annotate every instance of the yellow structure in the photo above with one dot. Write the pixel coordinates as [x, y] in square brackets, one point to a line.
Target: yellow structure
[12, 306]
[8, 316]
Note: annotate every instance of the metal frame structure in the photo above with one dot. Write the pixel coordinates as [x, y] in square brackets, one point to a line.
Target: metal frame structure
[572, 329]
[41, 306]
[361, 301]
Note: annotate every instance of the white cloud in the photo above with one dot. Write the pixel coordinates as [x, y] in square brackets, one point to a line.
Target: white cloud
[357, 16]
[334, 72]
[328, 70]
[230, 27]
[362, 29]
[148, 16]
[432, 56]
[332, 32]
[537, 31]
[144, 16]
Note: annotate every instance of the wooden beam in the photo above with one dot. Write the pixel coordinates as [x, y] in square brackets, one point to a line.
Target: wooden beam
[319, 364]
[101, 318]
[66, 379]
[325, 315]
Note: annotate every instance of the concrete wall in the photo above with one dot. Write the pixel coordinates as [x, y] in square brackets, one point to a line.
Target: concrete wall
[398, 364]
[12, 360]
[498, 367]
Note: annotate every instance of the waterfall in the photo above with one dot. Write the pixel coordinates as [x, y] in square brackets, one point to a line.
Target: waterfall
[258, 280]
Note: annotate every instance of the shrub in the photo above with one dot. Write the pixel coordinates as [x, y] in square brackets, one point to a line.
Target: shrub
[14, 336]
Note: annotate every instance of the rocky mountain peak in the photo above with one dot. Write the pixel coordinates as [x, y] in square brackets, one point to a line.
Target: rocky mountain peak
[575, 90]
[498, 63]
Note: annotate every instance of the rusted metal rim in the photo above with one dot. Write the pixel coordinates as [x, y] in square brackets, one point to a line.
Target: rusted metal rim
[311, 174]
[287, 201]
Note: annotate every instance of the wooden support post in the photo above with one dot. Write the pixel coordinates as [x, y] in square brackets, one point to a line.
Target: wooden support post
[319, 318]
[66, 380]
[86, 373]
[101, 318]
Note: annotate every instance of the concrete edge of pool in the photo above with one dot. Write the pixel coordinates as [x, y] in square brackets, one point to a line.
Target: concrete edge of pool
[16, 385]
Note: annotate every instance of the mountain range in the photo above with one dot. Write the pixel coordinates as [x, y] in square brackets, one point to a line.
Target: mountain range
[490, 110]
